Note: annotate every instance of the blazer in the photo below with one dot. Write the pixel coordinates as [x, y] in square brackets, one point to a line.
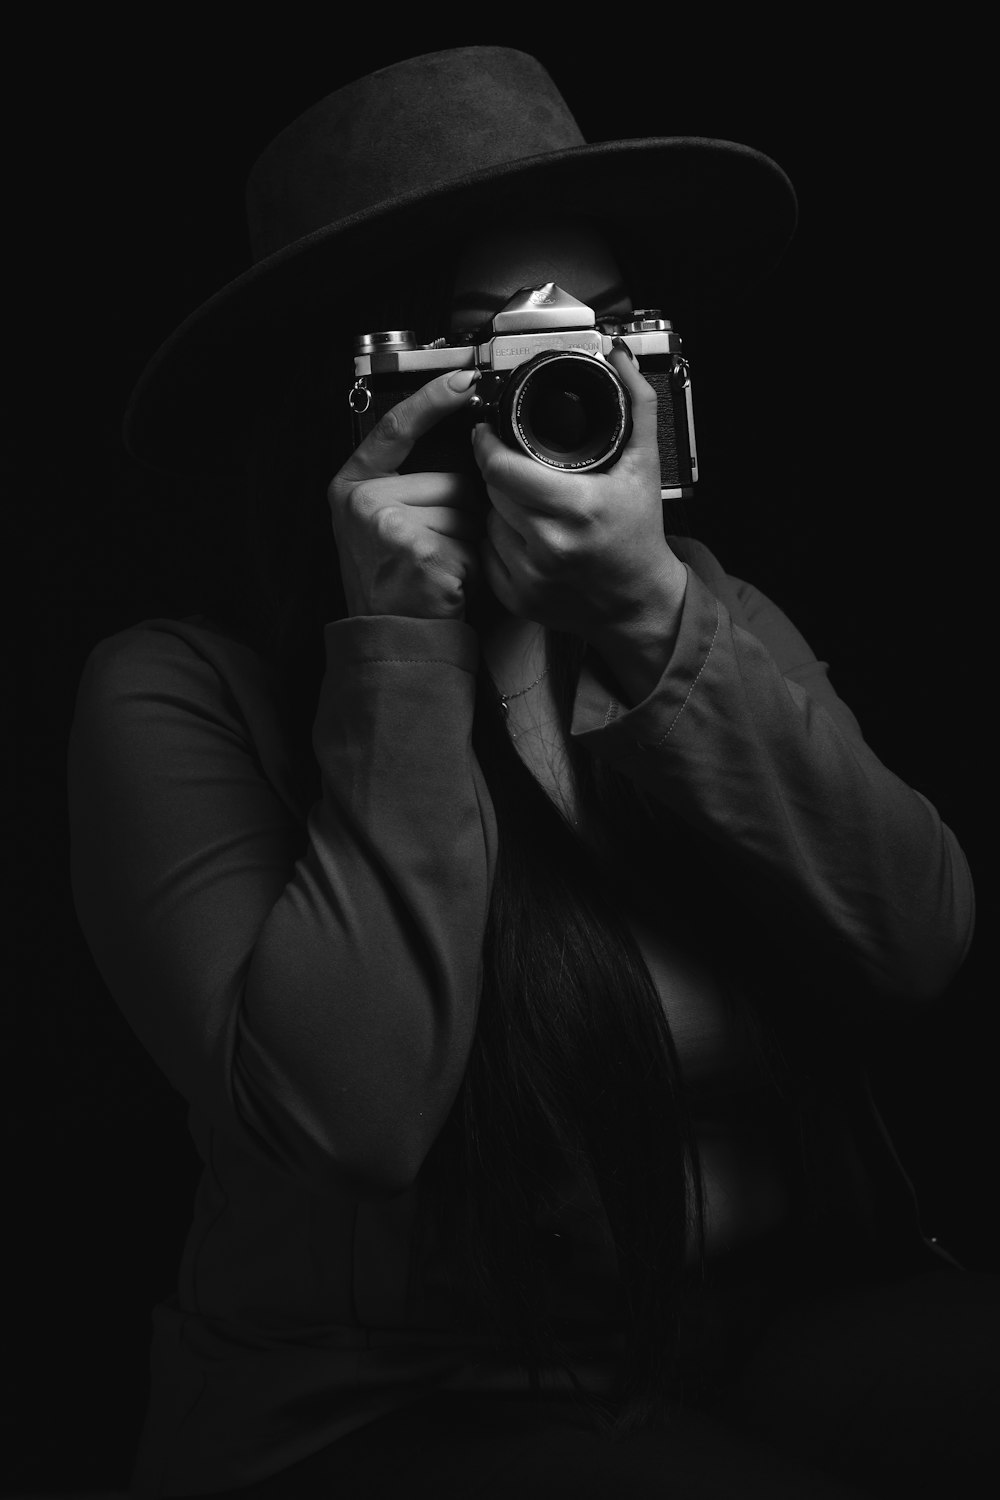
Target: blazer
[307, 977]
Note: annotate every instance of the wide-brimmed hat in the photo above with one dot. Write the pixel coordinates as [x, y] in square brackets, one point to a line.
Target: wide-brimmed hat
[421, 153]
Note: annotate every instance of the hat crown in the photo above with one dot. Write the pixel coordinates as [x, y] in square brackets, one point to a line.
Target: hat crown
[403, 130]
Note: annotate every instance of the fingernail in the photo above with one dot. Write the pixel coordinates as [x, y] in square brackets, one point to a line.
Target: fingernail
[617, 343]
[462, 380]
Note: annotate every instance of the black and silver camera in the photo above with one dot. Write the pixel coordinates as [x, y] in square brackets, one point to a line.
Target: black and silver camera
[546, 384]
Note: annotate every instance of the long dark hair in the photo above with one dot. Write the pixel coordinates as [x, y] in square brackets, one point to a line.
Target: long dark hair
[573, 1067]
[573, 1063]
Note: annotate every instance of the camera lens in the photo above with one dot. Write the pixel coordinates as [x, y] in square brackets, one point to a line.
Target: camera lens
[566, 409]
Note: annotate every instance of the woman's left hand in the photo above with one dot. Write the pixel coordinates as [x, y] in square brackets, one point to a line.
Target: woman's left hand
[583, 553]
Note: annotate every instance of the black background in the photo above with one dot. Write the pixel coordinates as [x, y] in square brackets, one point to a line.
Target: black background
[834, 409]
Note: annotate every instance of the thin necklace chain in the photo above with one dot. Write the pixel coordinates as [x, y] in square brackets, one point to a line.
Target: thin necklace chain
[507, 698]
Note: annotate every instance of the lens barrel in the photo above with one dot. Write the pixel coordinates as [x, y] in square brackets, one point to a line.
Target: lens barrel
[566, 409]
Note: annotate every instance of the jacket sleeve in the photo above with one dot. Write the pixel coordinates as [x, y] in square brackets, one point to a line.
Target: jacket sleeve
[313, 991]
[745, 740]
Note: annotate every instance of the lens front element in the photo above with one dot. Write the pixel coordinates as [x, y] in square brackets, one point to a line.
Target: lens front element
[569, 410]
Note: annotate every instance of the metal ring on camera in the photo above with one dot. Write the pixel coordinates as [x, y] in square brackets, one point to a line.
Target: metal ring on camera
[680, 373]
[357, 390]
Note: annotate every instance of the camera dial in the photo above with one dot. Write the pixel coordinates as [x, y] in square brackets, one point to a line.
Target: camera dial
[647, 320]
[386, 341]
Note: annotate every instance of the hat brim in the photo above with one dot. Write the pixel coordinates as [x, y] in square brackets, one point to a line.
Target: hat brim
[726, 214]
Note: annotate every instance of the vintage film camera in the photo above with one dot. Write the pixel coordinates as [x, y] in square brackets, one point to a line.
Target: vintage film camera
[546, 385]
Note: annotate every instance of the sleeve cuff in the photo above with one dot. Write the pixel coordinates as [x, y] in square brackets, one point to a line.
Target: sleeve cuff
[616, 733]
[398, 639]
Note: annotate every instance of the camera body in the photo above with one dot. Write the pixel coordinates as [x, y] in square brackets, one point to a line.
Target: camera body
[545, 383]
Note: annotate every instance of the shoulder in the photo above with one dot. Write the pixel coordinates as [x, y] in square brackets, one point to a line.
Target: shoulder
[178, 694]
[748, 607]
[184, 660]
[163, 639]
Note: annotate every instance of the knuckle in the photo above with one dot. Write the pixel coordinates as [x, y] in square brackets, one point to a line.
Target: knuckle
[342, 484]
[389, 427]
[559, 545]
[363, 500]
[597, 516]
[495, 468]
[391, 524]
[425, 553]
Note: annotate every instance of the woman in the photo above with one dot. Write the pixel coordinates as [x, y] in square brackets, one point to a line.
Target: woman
[512, 913]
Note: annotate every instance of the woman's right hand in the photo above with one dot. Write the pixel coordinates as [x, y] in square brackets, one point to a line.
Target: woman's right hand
[408, 543]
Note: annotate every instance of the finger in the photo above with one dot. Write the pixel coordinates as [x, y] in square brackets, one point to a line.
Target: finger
[643, 440]
[394, 434]
[448, 521]
[403, 522]
[533, 533]
[534, 485]
[447, 572]
[424, 488]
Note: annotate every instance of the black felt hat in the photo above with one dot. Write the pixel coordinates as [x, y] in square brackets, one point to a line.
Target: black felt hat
[414, 155]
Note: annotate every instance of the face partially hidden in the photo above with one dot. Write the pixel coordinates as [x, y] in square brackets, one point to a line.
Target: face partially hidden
[572, 253]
